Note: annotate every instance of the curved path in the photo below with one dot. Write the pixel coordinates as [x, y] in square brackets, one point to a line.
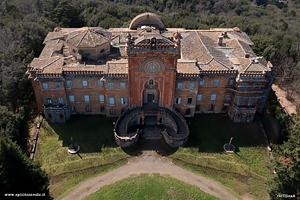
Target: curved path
[149, 162]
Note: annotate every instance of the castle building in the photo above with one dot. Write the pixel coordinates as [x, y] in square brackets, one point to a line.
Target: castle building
[92, 70]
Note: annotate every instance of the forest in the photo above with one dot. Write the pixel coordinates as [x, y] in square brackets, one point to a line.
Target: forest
[273, 26]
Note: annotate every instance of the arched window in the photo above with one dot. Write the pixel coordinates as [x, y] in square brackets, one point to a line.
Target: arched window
[211, 107]
[151, 82]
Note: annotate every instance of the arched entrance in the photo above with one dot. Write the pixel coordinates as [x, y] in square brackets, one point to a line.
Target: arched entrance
[151, 92]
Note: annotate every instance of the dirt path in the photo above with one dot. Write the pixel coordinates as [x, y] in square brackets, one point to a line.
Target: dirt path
[289, 106]
[149, 162]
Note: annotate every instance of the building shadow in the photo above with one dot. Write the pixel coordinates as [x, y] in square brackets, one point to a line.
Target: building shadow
[158, 145]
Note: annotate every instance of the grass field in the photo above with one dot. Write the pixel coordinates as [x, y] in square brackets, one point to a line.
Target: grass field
[147, 186]
[242, 172]
[98, 151]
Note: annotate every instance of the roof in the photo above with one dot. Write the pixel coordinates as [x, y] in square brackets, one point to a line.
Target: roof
[147, 19]
[199, 49]
[87, 37]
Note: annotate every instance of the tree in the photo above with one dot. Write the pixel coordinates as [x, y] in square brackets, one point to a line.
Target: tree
[8, 124]
[286, 165]
[18, 174]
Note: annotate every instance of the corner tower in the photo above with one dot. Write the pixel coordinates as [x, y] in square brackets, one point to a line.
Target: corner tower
[152, 61]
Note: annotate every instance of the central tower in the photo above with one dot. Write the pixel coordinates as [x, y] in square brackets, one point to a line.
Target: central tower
[152, 62]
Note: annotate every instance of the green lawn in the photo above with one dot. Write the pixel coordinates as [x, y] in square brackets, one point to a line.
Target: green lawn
[242, 172]
[147, 186]
[98, 151]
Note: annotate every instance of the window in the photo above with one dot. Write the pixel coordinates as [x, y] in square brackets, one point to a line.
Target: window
[239, 101]
[123, 100]
[198, 107]
[102, 108]
[255, 85]
[188, 111]
[250, 101]
[227, 96]
[217, 82]
[112, 111]
[199, 97]
[202, 82]
[213, 97]
[211, 107]
[69, 84]
[190, 100]
[45, 86]
[60, 100]
[88, 109]
[84, 83]
[230, 82]
[179, 85]
[151, 82]
[111, 100]
[191, 86]
[122, 85]
[102, 51]
[177, 100]
[87, 53]
[110, 85]
[71, 98]
[86, 98]
[100, 83]
[243, 86]
[101, 98]
[73, 108]
[49, 100]
[57, 85]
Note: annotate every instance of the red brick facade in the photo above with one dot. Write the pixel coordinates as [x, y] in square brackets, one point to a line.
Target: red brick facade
[191, 71]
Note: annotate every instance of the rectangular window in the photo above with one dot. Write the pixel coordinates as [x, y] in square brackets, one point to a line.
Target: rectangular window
[231, 82]
[111, 100]
[192, 85]
[199, 97]
[45, 86]
[243, 85]
[177, 100]
[101, 98]
[86, 98]
[84, 83]
[122, 85]
[102, 108]
[239, 101]
[73, 108]
[71, 98]
[250, 101]
[190, 100]
[217, 82]
[213, 97]
[69, 84]
[49, 100]
[202, 82]
[179, 85]
[57, 85]
[227, 96]
[100, 83]
[60, 100]
[123, 100]
[112, 111]
[88, 108]
[110, 85]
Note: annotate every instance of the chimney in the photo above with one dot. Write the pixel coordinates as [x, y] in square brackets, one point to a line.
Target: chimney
[220, 40]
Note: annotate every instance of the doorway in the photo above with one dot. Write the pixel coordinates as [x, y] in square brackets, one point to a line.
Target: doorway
[150, 97]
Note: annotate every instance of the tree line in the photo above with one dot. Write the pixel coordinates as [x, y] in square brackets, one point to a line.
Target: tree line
[272, 25]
